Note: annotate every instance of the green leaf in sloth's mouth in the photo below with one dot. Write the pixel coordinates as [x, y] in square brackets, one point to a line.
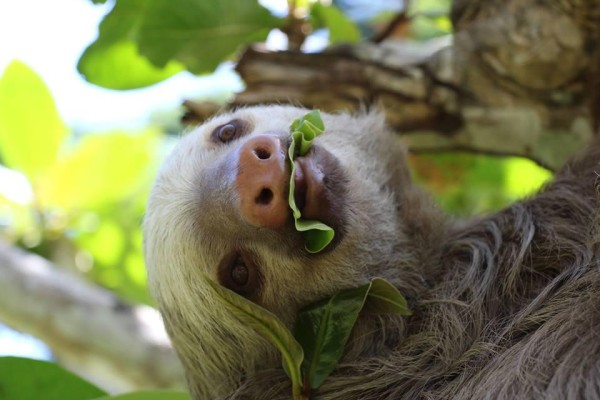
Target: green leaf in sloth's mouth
[317, 235]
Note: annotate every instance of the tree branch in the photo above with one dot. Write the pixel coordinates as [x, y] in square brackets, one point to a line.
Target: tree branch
[515, 80]
[88, 328]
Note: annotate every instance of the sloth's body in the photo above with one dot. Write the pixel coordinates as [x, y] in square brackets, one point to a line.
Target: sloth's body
[505, 306]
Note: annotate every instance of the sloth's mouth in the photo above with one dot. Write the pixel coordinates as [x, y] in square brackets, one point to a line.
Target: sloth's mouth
[320, 188]
[315, 175]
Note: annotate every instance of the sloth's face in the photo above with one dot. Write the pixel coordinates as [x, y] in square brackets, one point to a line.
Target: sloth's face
[220, 205]
[220, 208]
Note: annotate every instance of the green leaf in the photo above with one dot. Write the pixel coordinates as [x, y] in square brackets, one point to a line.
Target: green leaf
[201, 34]
[317, 235]
[27, 379]
[269, 326]
[323, 328]
[341, 28]
[119, 66]
[385, 298]
[102, 168]
[313, 118]
[113, 60]
[305, 130]
[31, 131]
[150, 395]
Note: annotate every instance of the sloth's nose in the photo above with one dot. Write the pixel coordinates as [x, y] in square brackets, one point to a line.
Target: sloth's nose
[261, 182]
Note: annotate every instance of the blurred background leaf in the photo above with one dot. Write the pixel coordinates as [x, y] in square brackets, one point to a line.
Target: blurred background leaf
[26, 379]
[143, 42]
[341, 28]
[469, 184]
[31, 131]
[113, 60]
[429, 18]
[201, 34]
[100, 169]
[81, 206]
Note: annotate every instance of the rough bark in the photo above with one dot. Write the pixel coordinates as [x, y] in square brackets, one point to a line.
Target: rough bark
[119, 347]
[516, 79]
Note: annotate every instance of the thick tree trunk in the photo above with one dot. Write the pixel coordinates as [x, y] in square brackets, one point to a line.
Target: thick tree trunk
[516, 79]
[117, 346]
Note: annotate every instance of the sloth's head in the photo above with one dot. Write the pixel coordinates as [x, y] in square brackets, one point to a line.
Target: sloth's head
[219, 208]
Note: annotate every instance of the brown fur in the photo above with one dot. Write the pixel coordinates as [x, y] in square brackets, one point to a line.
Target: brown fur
[505, 306]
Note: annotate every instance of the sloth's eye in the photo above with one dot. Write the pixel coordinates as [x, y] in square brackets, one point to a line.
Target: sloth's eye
[238, 271]
[226, 132]
[232, 130]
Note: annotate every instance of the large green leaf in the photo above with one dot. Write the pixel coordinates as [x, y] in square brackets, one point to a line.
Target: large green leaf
[201, 34]
[26, 379]
[323, 328]
[317, 235]
[269, 326]
[118, 65]
[150, 395]
[31, 131]
[113, 60]
[341, 28]
[102, 168]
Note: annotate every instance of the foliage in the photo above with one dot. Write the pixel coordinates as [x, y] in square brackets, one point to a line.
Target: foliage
[87, 193]
[341, 28]
[142, 42]
[322, 329]
[113, 60]
[266, 324]
[430, 18]
[468, 184]
[27, 379]
[21, 92]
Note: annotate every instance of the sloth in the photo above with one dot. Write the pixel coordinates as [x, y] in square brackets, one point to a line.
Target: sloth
[505, 306]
